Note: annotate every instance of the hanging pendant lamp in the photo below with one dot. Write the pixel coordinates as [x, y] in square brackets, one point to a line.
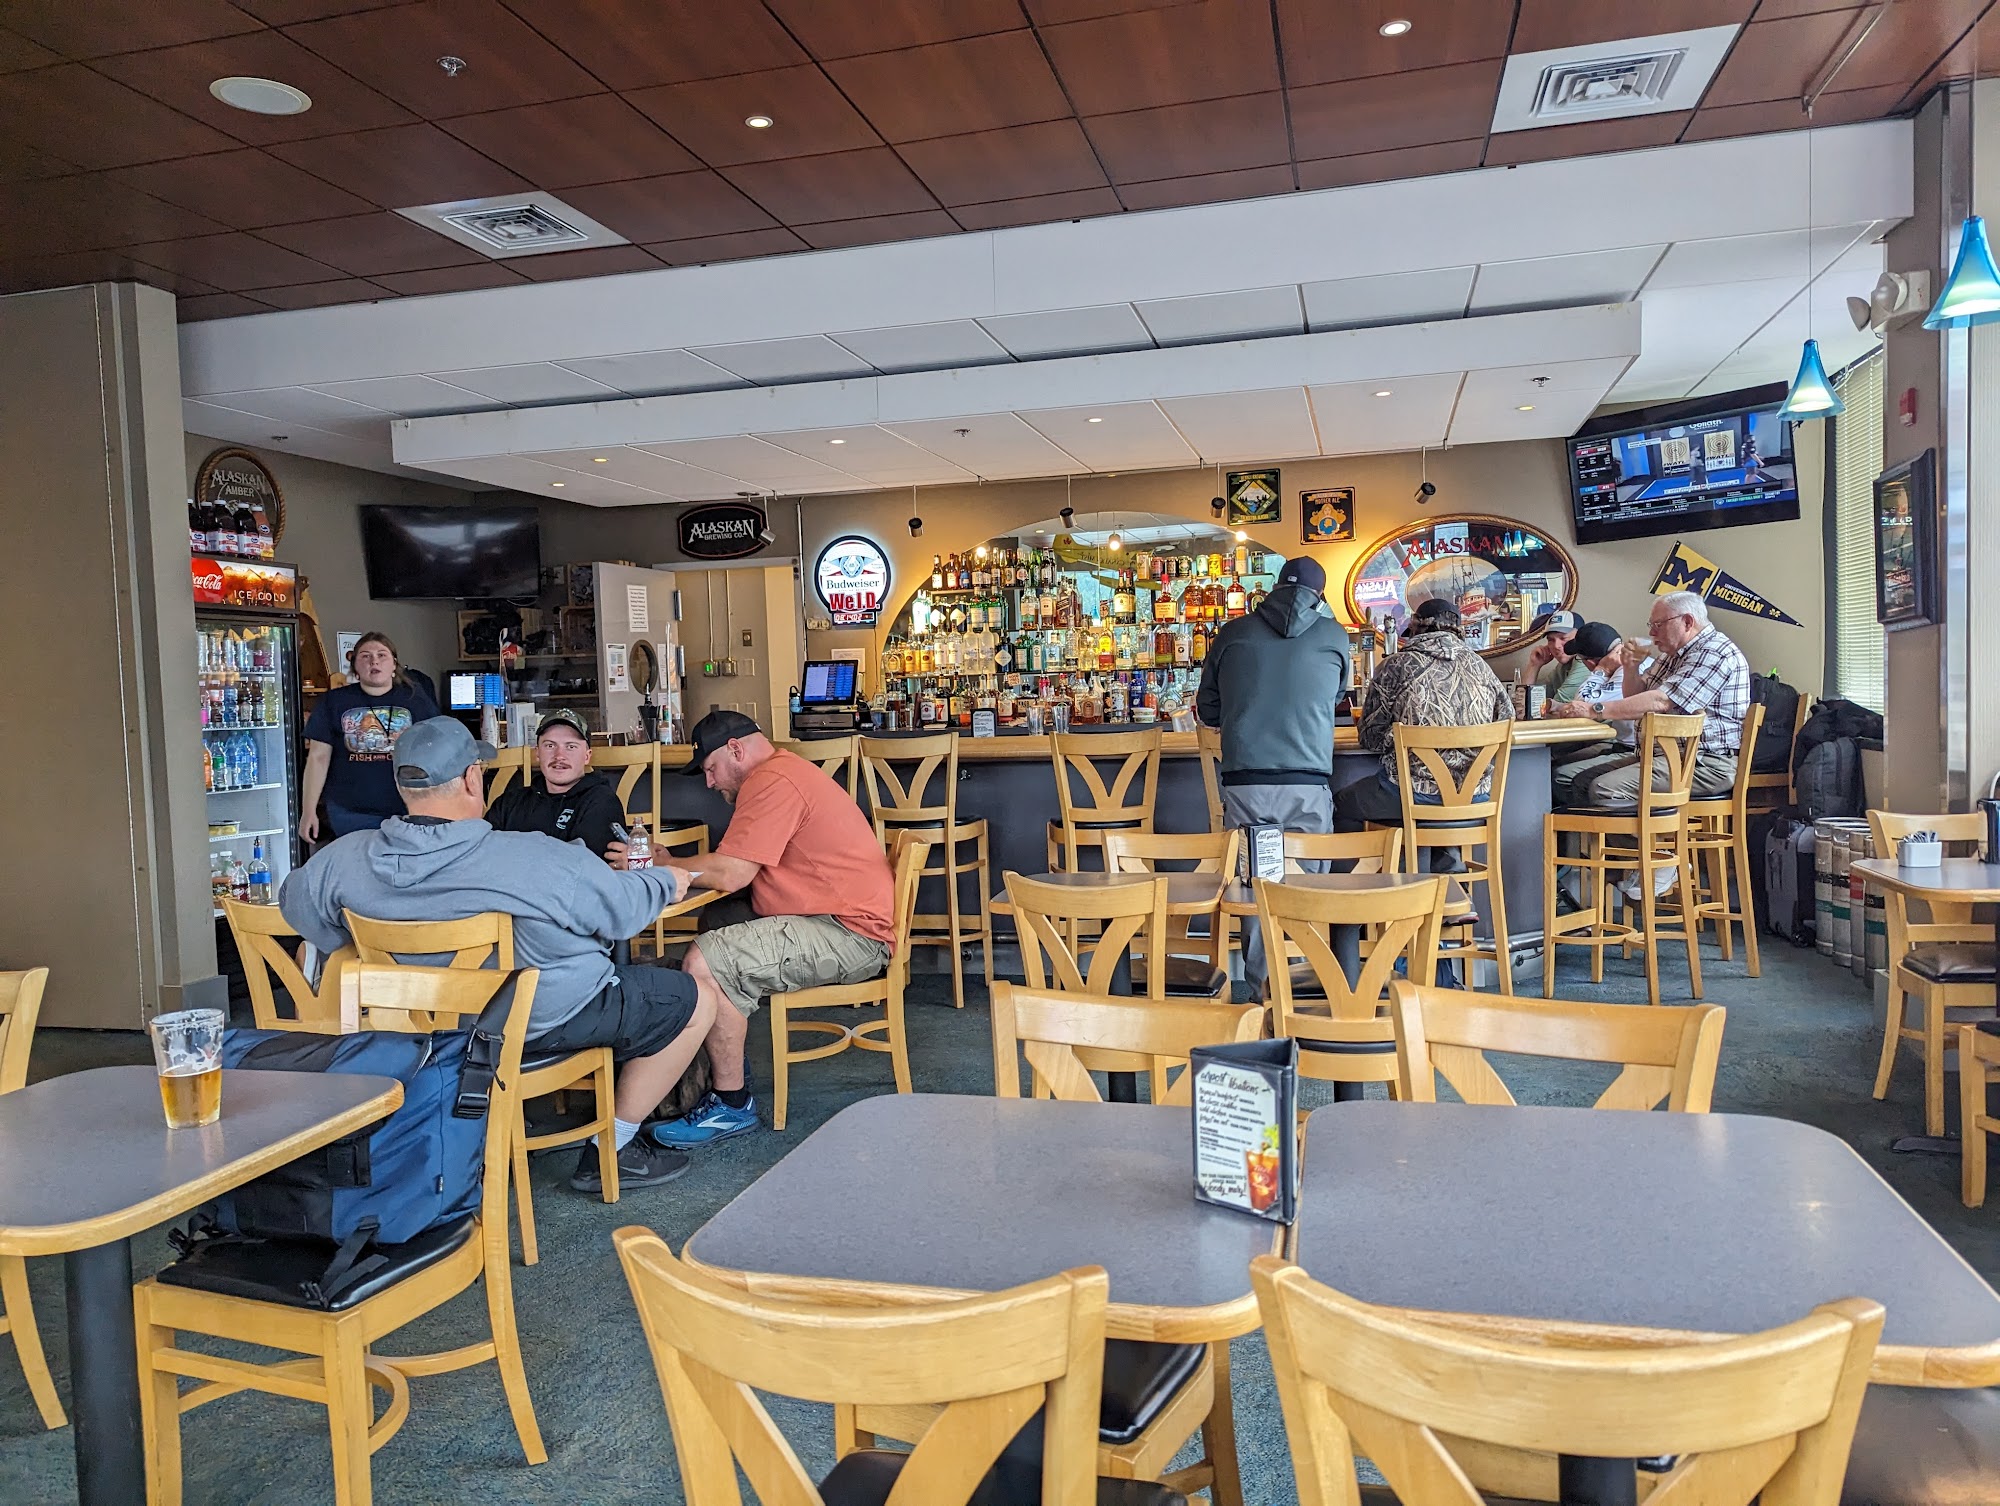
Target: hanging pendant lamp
[1812, 395]
[1972, 293]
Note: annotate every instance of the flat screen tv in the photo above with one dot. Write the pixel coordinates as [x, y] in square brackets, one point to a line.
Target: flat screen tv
[441, 553]
[1715, 462]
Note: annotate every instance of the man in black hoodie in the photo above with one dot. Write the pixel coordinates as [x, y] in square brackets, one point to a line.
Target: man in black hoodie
[1270, 683]
[566, 800]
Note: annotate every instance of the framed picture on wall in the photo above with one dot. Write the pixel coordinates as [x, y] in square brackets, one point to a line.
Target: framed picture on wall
[1326, 516]
[1906, 543]
[1253, 497]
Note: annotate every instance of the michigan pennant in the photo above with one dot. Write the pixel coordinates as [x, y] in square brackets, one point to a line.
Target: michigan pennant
[1685, 570]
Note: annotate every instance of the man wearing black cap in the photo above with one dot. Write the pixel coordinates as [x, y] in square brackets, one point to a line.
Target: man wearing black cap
[1270, 683]
[567, 799]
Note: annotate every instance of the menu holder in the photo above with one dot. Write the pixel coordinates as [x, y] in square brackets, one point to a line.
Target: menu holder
[1261, 853]
[1246, 1100]
[984, 723]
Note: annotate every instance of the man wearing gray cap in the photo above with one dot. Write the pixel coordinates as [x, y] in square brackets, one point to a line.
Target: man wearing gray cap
[1554, 664]
[443, 861]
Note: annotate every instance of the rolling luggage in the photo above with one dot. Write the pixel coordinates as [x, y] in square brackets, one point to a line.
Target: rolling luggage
[1788, 881]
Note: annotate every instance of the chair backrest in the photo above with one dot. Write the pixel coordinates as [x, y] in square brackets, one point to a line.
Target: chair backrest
[1087, 799]
[1737, 802]
[1409, 916]
[638, 767]
[20, 1007]
[1184, 852]
[900, 773]
[1668, 1052]
[510, 764]
[1772, 1412]
[477, 941]
[1672, 744]
[261, 932]
[1963, 833]
[1053, 955]
[840, 757]
[1208, 744]
[992, 1361]
[907, 853]
[1046, 1029]
[1377, 850]
[1768, 785]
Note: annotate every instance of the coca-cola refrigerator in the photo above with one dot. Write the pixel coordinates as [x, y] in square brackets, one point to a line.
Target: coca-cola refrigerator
[247, 657]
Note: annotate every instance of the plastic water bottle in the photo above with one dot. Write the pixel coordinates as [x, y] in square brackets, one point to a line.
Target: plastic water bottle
[639, 852]
[250, 768]
[260, 875]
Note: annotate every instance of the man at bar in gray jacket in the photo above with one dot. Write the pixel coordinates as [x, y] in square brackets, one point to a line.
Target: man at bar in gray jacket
[1270, 683]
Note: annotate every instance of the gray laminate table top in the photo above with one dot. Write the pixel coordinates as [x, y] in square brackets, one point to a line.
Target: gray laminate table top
[1186, 892]
[87, 1158]
[980, 1194]
[1963, 879]
[1712, 1223]
[1240, 898]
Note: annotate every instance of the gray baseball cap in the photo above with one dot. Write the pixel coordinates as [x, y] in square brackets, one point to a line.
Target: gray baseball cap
[436, 751]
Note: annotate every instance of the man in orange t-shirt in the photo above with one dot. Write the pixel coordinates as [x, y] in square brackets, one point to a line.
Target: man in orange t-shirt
[821, 888]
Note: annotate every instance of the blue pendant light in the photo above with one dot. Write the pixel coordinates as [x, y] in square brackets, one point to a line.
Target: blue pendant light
[1972, 293]
[1812, 395]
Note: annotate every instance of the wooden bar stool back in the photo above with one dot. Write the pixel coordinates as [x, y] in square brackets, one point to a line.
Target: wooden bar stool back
[913, 786]
[674, 844]
[1937, 956]
[1046, 1029]
[260, 931]
[981, 1366]
[838, 757]
[20, 1007]
[480, 941]
[1183, 852]
[1775, 789]
[1446, 1415]
[1651, 836]
[1092, 804]
[1719, 836]
[1666, 1054]
[636, 767]
[1467, 816]
[906, 861]
[1208, 744]
[508, 765]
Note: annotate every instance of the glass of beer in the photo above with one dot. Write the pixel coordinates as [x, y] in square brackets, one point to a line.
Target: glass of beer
[187, 1048]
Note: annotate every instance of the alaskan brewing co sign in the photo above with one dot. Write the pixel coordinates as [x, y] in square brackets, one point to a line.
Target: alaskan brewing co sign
[852, 577]
[722, 531]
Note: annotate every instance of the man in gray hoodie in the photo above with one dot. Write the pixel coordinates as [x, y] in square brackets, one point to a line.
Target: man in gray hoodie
[443, 861]
[1270, 683]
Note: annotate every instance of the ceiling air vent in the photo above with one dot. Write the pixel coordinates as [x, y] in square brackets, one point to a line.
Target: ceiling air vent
[1569, 89]
[526, 224]
[1609, 80]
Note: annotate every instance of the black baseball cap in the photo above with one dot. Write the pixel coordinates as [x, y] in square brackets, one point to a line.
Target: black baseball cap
[1304, 571]
[1593, 640]
[714, 731]
[1435, 613]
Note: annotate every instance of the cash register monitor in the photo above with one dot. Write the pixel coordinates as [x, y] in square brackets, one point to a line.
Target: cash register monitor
[828, 682]
[463, 693]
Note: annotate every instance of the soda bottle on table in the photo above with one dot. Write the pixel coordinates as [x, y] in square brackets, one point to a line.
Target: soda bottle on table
[260, 875]
[239, 880]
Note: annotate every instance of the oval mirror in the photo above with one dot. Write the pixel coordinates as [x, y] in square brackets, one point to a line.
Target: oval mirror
[1497, 572]
[644, 668]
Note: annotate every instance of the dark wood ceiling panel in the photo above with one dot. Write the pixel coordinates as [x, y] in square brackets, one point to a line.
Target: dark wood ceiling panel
[180, 76]
[1588, 137]
[1056, 12]
[809, 116]
[17, 52]
[1777, 10]
[1842, 107]
[597, 261]
[403, 166]
[489, 274]
[681, 206]
[740, 247]
[1394, 110]
[1053, 157]
[242, 189]
[1148, 58]
[596, 139]
[1208, 188]
[1382, 167]
[1545, 24]
[79, 116]
[218, 306]
[396, 51]
[369, 244]
[1042, 209]
[1907, 40]
[981, 84]
[845, 28]
[19, 161]
[92, 266]
[87, 213]
[289, 12]
[94, 28]
[1221, 135]
[870, 232]
[1328, 42]
[632, 44]
[816, 190]
[235, 261]
[315, 295]
[1777, 59]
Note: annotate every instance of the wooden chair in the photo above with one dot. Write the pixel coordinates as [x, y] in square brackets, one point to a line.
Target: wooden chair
[1461, 820]
[20, 1005]
[1666, 1054]
[1944, 961]
[1445, 1415]
[901, 774]
[1978, 1067]
[473, 943]
[1781, 790]
[259, 931]
[1208, 746]
[1719, 843]
[1090, 805]
[839, 757]
[637, 766]
[672, 845]
[906, 859]
[510, 764]
[1188, 852]
[1047, 1028]
[986, 1364]
[1377, 850]
[1344, 1036]
[338, 1364]
[1651, 836]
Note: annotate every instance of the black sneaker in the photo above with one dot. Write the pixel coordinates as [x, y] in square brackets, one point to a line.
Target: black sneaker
[640, 1164]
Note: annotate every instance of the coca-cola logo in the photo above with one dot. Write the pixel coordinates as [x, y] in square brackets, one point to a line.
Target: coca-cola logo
[212, 583]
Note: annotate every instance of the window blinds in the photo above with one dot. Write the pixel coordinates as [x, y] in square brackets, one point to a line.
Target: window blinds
[1858, 668]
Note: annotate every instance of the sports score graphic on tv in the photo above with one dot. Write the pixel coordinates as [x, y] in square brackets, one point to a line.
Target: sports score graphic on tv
[1682, 474]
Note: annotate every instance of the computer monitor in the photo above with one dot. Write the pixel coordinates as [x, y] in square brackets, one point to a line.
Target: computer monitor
[828, 682]
[462, 691]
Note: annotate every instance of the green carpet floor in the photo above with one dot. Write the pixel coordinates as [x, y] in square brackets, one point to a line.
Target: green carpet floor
[1801, 1043]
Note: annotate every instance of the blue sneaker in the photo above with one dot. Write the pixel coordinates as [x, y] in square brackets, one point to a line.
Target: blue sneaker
[711, 1120]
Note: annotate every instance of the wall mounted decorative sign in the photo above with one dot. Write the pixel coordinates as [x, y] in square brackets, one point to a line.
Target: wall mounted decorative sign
[1326, 516]
[237, 479]
[722, 530]
[852, 578]
[1906, 543]
[1253, 497]
[1686, 570]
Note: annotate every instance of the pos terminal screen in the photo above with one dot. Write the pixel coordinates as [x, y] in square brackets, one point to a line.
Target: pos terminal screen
[828, 682]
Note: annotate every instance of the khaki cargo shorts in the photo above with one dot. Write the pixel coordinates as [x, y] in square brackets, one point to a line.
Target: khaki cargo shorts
[777, 953]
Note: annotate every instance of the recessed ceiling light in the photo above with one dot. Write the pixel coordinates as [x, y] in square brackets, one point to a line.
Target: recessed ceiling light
[261, 96]
[599, 460]
[1393, 28]
[1094, 420]
[1525, 408]
[556, 483]
[1383, 393]
[836, 441]
[759, 122]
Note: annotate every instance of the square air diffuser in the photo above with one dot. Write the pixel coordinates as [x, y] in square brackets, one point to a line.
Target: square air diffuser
[1609, 80]
[509, 225]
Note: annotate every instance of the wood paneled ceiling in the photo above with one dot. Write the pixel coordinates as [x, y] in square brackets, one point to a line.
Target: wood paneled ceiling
[894, 119]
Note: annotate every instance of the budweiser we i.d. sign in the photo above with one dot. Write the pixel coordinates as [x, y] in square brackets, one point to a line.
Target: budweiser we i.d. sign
[722, 530]
[852, 577]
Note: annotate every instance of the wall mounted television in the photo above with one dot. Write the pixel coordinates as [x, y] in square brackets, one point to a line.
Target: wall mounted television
[446, 553]
[1713, 462]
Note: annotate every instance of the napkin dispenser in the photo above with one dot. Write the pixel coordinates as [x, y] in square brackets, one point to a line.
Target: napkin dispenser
[1920, 849]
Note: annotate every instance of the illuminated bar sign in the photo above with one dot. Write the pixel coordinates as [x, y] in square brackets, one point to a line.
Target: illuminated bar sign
[722, 531]
[247, 584]
[852, 578]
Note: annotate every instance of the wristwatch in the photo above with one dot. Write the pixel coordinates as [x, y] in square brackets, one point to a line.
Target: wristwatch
[1597, 711]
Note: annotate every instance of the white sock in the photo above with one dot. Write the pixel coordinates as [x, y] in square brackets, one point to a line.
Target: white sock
[623, 1133]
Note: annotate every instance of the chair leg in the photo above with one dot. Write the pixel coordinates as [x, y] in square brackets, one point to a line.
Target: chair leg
[1718, 883]
[952, 871]
[507, 1356]
[20, 1315]
[1551, 874]
[781, 1063]
[1496, 900]
[605, 1083]
[1649, 921]
[1892, 1036]
[1971, 1119]
[159, 1409]
[1218, 1434]
[349, 1410]
[1690, 921]
[1749, 905]
[899, 1043]
[524, 1196]
[1934, 1063]
[985, 879]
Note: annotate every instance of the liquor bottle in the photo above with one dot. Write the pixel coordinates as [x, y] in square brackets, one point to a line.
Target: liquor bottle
[1163, 604]
[260, 875]
[937, 573]
[1198, 648]
[1242, 559]
[1123, 601]
[1107, 651]
[1235, 601]
[1031, 611]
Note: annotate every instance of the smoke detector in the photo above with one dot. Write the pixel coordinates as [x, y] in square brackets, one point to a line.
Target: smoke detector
[1610, 80]
[510, 225]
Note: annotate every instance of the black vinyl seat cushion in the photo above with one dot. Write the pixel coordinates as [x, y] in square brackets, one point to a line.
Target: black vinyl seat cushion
[866, 1476]
[1953, 961]
[1187, 978]
[282, 1271]
[534, 1061]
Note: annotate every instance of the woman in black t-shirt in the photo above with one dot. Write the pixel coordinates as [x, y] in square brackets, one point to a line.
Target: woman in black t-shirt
[349, 738]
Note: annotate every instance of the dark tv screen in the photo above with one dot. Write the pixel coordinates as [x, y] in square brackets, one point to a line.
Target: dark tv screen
[436, 553]
[1684, 469]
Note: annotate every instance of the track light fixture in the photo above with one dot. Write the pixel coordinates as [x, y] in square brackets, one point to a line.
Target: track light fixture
[916, 528]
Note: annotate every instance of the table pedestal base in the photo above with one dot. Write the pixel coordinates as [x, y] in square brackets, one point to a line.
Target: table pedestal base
[1596, 1482]
[1927, 1145]
[104, 1376]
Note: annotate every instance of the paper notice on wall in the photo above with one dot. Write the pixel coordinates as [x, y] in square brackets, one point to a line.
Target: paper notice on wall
[638, 609]
[617, 673]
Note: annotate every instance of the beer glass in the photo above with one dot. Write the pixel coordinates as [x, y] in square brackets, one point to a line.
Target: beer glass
[187, 1049]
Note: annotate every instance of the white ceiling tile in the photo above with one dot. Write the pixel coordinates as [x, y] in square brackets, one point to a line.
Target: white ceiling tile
[303, 406]
[1352, 420]
[1750, 258]
[871, 454]
[651, 373]
[537, 382]
[1558, 281]
[1070, 332]
[810, 358]
[1224, 316]
[1402, 298]
[1131, 436]
[1506, 403]
[755, 464]
[925, 347]
[409, 396]
[1271, 425]
[993, 446]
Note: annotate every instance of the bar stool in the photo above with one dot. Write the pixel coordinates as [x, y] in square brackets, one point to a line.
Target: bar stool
[1208, 743]
[905, 801]
[839, 757]
[1719, 834]
[1124, 804]
[1650, 836]
[1781, 791]
[1461, 820]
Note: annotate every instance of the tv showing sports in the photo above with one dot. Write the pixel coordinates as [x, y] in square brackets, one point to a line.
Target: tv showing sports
[1717, 462]
[447, 553]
